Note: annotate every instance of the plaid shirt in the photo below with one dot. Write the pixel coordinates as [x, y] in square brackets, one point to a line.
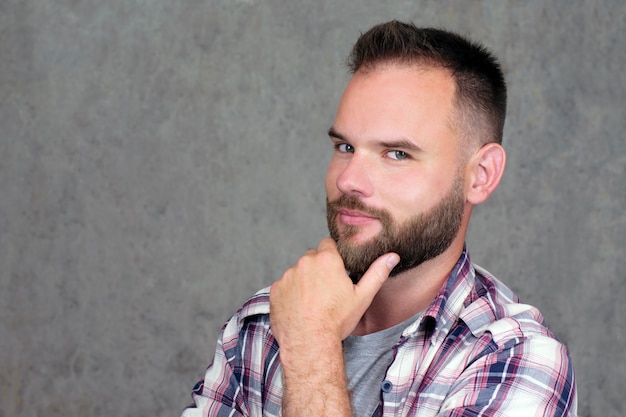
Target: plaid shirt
[476, 351]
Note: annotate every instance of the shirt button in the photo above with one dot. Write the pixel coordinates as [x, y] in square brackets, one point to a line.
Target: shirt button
[387, 386]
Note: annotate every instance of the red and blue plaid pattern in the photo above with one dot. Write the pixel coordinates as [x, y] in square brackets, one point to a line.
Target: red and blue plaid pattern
[476, 351]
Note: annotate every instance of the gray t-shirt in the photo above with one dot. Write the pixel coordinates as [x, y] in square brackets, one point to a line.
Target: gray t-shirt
[366, 360]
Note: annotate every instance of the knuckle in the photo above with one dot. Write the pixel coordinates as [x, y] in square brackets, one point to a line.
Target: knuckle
[303, 262]
[327, 257]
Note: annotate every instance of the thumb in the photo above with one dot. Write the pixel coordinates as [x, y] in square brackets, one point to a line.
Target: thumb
[376, 275]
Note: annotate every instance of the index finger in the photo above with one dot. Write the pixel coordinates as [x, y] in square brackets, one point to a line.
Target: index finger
[327, 244]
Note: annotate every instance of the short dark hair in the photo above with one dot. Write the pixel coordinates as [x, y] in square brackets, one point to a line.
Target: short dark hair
[480, 97]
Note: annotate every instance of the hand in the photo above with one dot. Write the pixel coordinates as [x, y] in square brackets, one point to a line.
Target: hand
[313, 307]
[316, 302]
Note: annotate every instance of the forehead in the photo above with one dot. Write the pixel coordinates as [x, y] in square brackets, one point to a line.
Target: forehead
[409, 101]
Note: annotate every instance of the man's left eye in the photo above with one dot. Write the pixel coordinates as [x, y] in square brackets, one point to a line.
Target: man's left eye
[397, 155]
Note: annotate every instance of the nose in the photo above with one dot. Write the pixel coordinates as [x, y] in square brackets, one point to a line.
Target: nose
[354, 177]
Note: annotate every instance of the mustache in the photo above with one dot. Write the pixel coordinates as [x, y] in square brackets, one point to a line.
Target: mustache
[354, 203]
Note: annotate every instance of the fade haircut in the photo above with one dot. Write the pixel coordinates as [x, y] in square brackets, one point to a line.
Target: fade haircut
[480, 98]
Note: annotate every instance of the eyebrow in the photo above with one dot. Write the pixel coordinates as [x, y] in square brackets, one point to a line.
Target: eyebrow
[397, 144]
[335, 135]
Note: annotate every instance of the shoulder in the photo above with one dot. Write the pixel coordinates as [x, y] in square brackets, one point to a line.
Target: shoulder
[258, 304]
[251, 319]
[513, 345]
[496, 309]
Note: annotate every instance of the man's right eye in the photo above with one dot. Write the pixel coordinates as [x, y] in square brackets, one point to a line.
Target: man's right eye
[344, 148]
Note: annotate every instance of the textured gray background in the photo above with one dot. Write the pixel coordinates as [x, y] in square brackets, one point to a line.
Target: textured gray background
[162, 160]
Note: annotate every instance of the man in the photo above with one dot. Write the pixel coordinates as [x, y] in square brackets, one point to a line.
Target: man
[389, 316]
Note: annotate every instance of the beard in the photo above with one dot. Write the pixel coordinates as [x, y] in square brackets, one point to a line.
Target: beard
[418, 239]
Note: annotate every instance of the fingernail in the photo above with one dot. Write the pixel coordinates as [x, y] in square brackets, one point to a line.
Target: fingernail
[392, 261]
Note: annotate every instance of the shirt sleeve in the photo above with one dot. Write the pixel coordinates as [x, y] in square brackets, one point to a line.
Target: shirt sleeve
[218, 393]
[245, 378]
[526, 377]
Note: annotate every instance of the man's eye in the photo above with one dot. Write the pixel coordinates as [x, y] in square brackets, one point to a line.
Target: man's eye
[397, 155]
[344, 148]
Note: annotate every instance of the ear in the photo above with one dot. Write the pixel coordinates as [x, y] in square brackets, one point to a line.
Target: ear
[485, 169]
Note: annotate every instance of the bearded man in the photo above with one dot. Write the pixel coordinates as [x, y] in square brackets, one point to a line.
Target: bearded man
[388, 316]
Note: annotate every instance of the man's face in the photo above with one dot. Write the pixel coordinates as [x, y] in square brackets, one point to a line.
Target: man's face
[417, 239]
[395, 183]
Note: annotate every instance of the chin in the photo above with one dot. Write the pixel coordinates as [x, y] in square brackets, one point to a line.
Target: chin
[359, 239]
[360, 234]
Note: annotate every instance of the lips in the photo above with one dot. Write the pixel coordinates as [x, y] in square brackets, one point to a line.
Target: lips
[355, 217]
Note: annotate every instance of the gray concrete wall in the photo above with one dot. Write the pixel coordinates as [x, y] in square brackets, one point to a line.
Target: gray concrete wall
[160, 161]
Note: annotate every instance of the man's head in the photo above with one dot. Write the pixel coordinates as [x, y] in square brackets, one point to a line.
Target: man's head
[416, 140]
[480, 98]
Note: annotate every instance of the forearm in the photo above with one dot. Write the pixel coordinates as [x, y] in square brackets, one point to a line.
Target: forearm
[313, 307]
[315, 383]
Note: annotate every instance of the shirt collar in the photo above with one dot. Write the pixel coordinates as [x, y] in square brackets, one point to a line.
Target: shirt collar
[443, 312]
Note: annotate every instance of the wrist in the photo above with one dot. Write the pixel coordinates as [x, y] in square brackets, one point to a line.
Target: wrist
[314, 354]
[314, 380]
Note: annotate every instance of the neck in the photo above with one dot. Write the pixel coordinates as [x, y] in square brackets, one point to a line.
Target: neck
[406, 294]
